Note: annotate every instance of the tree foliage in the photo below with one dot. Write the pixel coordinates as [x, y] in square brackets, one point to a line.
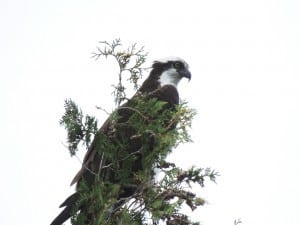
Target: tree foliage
[156, 200]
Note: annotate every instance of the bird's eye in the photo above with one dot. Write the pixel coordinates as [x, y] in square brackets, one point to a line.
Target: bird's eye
[177, 65]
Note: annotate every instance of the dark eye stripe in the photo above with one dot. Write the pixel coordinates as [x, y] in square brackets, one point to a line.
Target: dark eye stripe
[178, 65]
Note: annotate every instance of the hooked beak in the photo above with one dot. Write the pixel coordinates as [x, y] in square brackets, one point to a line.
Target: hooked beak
[186, 73]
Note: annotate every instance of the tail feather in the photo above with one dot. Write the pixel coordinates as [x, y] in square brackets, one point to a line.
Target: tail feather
[69, 203]
[71, 200]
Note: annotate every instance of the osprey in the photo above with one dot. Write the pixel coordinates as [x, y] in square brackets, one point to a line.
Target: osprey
[161, 84]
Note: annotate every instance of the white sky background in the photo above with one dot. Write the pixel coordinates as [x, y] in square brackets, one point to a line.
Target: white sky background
[244, 57]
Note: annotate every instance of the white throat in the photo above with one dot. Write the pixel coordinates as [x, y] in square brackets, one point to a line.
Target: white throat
[169, 77]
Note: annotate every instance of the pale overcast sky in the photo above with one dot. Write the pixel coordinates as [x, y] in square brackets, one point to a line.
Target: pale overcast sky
[244, 57]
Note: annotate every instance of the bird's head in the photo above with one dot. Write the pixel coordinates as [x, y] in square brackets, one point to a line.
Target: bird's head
[170, 71]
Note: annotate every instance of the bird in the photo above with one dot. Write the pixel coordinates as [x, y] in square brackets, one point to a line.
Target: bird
[161, 83]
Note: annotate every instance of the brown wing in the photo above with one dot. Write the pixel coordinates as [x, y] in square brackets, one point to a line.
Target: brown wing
[91, 159]
[94, 160]
[167, 93]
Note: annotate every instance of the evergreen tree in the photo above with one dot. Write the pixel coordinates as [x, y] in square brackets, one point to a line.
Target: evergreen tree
[154, 200]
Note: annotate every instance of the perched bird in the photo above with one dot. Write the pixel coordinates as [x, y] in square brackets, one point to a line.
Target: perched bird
[161, 84]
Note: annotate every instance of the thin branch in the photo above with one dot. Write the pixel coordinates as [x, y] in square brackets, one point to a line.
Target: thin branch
[102, 109]
[135, 110]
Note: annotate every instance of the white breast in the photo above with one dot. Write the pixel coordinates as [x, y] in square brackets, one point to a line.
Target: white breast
[169, 77]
